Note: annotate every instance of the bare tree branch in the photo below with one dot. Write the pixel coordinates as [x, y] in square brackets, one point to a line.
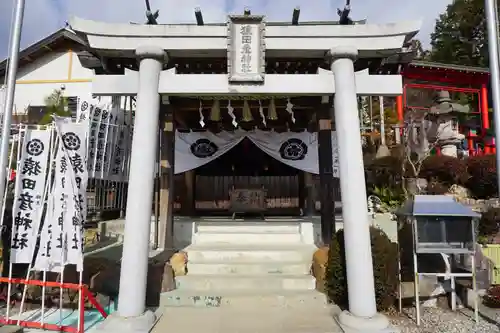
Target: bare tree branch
[415, 160]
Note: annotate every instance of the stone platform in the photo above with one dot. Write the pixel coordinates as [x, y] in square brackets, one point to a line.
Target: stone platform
[232, 261]
[251, 318]
[247, 276]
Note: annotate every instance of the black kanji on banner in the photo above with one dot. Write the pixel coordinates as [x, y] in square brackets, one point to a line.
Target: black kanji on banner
[31, 167]
[20, 241]
[47, 248]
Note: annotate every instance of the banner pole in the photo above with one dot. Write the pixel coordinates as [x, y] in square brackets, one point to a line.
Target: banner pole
[11, 88]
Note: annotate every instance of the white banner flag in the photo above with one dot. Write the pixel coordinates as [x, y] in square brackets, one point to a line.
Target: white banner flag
[61, 240]
[74, 138]
[83, 110]
[107, 138]
[119, 161]
[96, 130]
[106, 143]
[112, 135]
[29, 194]
[102, 145]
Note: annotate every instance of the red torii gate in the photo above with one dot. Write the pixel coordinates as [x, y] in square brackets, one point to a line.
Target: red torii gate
[454, 78]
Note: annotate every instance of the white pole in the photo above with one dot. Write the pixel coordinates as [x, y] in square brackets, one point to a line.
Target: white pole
[491, 25]
[382, 120]
[11, 88]
[136, 244]
[354, 211]
[359, 266]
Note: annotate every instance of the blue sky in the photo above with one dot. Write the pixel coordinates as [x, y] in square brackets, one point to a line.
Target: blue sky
[43, 17]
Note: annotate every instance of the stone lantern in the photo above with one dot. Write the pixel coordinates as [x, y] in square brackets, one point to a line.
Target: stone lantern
[442, 122]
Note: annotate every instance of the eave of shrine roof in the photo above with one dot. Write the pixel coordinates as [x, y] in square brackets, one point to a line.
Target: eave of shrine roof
[272, 23]
[452, 67]
[276, 30]
[187, 40]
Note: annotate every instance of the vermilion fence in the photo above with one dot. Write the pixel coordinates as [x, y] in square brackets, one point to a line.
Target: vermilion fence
[83, 295]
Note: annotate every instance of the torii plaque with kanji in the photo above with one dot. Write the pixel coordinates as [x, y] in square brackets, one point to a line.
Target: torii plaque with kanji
[246, 48]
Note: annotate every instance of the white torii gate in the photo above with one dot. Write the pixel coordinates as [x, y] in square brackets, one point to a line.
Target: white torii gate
[342, 82]
[151, 46]
[321, 84]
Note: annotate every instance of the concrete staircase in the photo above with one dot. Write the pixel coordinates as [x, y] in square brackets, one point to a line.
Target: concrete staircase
[245, 264]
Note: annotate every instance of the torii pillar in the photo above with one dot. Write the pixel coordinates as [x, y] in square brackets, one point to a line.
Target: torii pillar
[362, 315]
[132, 315]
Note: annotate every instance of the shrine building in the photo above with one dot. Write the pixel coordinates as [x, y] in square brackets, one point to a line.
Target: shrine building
[289, 66]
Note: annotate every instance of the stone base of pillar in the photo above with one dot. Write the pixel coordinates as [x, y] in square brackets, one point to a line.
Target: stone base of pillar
[352, 324]
[114, 324]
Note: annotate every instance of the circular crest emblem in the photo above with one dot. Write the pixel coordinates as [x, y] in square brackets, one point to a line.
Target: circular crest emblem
[34, 147]
[71, 141]
[85, 106]
[203, 148]
[293, 149]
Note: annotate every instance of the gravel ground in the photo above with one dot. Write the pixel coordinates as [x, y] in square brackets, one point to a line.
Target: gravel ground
[436, 320]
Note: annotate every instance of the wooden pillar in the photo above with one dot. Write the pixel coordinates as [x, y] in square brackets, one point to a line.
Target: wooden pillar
[302, 192]
[188, 204]
[167, 142]
[310, 200]
[326, 173]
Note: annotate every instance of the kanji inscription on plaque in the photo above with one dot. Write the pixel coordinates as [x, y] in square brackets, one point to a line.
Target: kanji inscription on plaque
[246, 48]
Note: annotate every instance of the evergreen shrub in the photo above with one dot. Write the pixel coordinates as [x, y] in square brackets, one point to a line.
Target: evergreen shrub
[385, 270]
[483, 177]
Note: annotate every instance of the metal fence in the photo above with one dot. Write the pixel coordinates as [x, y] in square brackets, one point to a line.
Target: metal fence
[105, 199]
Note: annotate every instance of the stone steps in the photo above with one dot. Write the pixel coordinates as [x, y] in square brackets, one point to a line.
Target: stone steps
[249, 227]
[245, 282]
[226, 237]
[261, 252]
[248, 267]
[254, 232]
[244, 298]
[246, 264]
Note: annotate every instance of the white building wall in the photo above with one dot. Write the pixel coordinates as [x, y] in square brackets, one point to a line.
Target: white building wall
[54, 71]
